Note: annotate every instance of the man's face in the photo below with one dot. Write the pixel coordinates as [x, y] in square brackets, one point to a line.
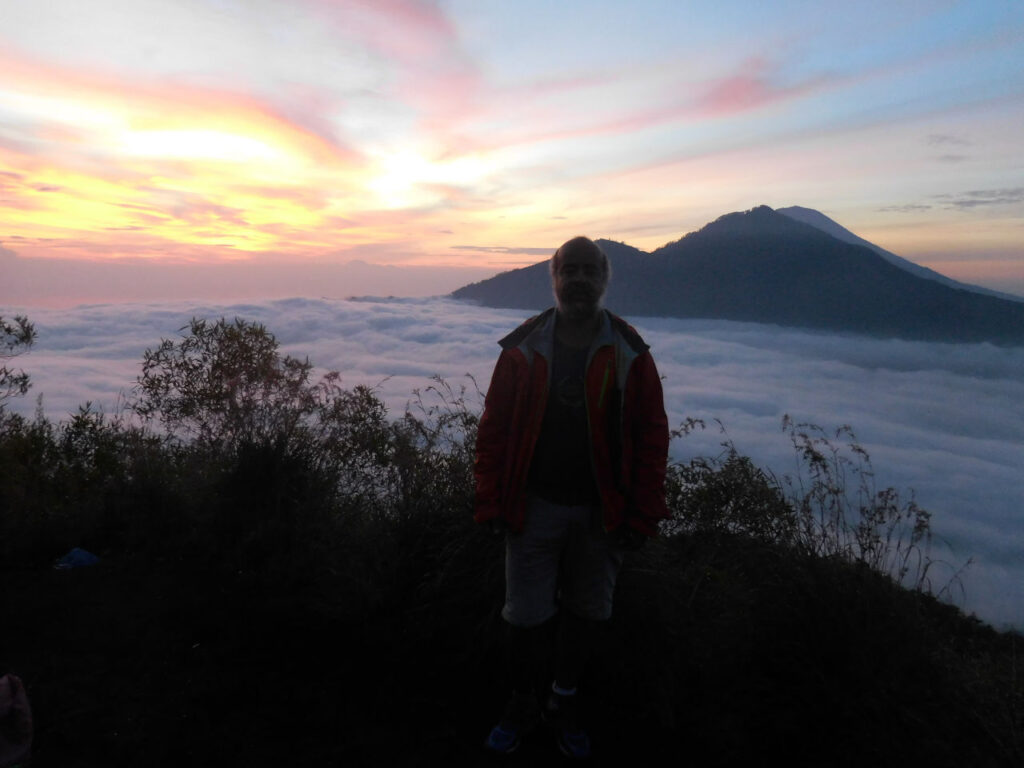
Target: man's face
[579, 283]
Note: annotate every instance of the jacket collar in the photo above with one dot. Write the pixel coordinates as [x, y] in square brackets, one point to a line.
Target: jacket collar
[541, 337]
[537, 337]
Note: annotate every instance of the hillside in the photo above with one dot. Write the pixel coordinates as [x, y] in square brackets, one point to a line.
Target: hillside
[289, 576]
[765, 267]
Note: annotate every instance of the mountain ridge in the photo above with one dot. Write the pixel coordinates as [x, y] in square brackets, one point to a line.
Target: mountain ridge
[825, 224]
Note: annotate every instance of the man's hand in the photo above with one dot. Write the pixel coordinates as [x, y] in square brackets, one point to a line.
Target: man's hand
[628, 538]
[497, 526]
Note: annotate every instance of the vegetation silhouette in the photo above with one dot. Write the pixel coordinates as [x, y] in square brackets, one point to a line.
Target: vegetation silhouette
[16, 337]
[289, 574]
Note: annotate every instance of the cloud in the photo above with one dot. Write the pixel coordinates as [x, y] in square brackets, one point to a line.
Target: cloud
[907, 208]
[193, 162]
[939, 139]
[983, 197]
[754, 85]
[504, 249]
[58, 282]
[420, 45]
[621, 102]
[944, 420]
[85, 100]
[977, 198]
[410, 29]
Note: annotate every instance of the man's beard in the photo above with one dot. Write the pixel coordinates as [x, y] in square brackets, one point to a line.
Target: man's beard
[579, 302]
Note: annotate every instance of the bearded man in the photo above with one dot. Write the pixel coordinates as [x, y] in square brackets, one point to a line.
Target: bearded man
[570, 466]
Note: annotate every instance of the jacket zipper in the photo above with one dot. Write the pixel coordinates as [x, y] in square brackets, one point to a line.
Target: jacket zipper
[604, 384]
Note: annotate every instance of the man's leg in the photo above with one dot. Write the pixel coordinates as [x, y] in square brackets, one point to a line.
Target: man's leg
[589, 570]
[573, 648]
[531, 583]
[528, 654]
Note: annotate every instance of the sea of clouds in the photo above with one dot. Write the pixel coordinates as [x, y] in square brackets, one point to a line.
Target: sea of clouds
[942, 420]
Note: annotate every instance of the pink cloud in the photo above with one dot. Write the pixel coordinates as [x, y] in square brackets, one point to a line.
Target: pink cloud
[410, 30]
[749, 89]
[14, 191]
[433, 73]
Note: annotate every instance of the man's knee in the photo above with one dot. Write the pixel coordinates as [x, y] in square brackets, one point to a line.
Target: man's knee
[520, 615]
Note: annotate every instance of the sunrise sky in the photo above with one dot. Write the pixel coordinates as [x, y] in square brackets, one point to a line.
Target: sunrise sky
[285, 136]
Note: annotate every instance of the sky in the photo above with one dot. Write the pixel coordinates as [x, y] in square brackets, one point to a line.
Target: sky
[941, 422]
[238, 149]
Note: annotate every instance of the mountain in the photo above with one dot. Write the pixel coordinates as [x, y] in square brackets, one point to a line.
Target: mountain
[764, 266]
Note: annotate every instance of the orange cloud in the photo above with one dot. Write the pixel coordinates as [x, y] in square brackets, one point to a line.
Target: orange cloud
[98, 156]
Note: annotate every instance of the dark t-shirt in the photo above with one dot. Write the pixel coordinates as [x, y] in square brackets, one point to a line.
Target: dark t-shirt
[561, 469]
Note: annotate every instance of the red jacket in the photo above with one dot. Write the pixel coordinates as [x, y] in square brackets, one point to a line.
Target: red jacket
[625, 414]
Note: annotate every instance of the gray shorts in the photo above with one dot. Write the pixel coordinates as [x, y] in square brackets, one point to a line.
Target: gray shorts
[563, 558]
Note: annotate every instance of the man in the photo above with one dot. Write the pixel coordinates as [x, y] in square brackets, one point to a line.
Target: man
[570, 464]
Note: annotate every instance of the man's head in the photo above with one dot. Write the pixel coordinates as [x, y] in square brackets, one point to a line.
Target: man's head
[579, 277]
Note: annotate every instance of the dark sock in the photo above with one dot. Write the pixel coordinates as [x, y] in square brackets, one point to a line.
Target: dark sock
[528, 651]
[574, 646]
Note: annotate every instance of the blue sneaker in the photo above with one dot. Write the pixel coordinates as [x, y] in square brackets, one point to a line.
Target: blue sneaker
[563, 714]
[522, 713]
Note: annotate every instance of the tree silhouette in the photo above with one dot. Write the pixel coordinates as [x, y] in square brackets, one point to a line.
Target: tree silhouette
[16, 337]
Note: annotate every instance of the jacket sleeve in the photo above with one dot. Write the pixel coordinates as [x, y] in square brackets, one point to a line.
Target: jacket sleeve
[492, 440]
[650, 435]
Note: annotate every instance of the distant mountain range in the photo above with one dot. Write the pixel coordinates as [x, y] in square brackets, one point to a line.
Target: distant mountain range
[792, 267]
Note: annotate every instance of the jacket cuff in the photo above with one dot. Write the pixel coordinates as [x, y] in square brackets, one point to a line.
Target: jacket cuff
[646, 525]
[483, 514]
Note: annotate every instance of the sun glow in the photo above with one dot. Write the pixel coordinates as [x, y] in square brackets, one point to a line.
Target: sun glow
[407, 179]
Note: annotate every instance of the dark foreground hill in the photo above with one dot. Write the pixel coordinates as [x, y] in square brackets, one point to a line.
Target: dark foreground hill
[722, 652]
[762, 266]
[289, 577]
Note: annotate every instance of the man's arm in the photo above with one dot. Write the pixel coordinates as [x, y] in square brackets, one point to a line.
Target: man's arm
[650, 448]
[492, 439]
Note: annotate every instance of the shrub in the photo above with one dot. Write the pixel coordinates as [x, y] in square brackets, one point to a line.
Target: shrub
[728, 494]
